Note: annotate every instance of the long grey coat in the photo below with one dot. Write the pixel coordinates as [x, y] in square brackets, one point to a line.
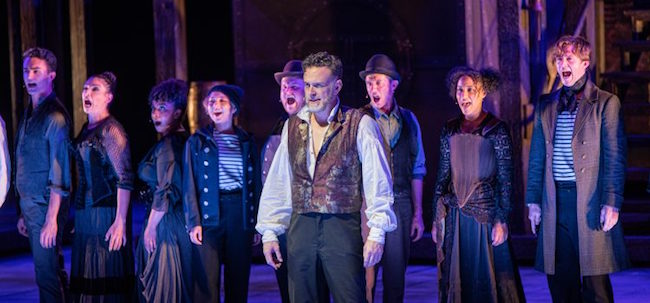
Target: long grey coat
[599, 158]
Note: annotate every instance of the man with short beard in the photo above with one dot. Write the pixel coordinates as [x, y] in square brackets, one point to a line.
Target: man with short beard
[328, 160]
[42, 172]
[576, 177]
[403, 143]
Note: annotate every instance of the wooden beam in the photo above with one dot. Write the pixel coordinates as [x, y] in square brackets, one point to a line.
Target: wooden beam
[78, 60]
[170, 39]
[22, 35]
[511, 99]
[15, 64]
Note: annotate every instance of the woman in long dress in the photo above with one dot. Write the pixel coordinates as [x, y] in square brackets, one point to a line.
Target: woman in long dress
[472, 199]
[102, 257]
[163, 255]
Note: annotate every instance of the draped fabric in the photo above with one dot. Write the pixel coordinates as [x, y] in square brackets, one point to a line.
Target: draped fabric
[472, 192]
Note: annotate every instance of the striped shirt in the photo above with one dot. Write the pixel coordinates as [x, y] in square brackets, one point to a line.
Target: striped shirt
[562, 152]
[230, 162]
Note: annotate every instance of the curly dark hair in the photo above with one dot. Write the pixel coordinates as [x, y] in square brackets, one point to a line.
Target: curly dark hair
[43, 54]
[171, 90]
[488, 78]
[109, 78]
[324, 59]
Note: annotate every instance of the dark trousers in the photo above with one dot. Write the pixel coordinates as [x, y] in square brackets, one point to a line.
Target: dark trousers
[51, 277]
[227, 244]
[282, 276]
[397, 249]
[566, 284]
[334, 241]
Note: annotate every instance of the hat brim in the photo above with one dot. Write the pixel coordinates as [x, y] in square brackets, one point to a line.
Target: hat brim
[392, 74]
[280, 75]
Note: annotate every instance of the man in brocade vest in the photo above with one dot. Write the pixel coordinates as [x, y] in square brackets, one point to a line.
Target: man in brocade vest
[329, 159]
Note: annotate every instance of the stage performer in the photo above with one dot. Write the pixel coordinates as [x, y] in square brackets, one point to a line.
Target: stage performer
[576, 176]
[403, 144]
[330, 158]
[102, 255]
[472, 198]
[221, 187]
[292, 98]
[163, 256]
[42, 173]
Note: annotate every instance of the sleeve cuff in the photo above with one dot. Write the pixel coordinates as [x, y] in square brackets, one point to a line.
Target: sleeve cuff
[377, 235]
[59, 190]
[612, 207]
[269, 236]
[418, 176]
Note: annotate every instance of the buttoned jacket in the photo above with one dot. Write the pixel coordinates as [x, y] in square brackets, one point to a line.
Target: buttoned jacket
[599, 158]
[201, 181]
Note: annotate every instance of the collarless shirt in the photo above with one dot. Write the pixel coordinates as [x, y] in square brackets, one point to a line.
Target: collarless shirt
[276, 203]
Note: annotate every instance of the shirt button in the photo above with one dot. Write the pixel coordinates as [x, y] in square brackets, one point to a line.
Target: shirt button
[250, 168]
[205, 203]
[584, 156]
[252, 208]
[250, 181]
[547, 142]
[266, 159]
[205, 176]
[250, 194]
[582, 170]
[205, 216]
[205, 189]
[206, 150]
[264, 172]
[584, 142]
[205, 163]
[252, 220]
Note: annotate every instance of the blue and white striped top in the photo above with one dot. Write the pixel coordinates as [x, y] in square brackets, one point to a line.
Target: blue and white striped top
[562, 152]
[230, 162]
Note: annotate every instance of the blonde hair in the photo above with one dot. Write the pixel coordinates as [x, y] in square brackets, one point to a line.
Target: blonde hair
[581, 47]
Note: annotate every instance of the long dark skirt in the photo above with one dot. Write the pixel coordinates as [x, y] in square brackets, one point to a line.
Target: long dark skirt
[166, 274]
[473, 270]
[98, 275]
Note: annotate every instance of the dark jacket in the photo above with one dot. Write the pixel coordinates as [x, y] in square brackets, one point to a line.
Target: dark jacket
[201, 179]
[599, 158]
[103, 163]
[161, 169]
[42, 161]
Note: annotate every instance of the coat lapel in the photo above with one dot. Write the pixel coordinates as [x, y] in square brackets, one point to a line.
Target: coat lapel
[584, 107]
[549, 118]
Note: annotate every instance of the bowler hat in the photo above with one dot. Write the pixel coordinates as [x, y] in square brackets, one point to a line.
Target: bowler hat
[233, 92]
[293, 68]
[380, 64]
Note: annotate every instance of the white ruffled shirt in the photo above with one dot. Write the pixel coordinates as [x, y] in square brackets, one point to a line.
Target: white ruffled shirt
[275, 203]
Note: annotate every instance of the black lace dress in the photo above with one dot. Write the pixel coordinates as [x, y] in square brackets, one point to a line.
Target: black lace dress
[103, 164]
[472, 192]
[165, 275]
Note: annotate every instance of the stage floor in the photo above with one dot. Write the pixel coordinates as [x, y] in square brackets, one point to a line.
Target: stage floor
[17, 283]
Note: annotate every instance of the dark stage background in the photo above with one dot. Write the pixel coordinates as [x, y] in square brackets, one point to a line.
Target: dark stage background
[245, 42]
